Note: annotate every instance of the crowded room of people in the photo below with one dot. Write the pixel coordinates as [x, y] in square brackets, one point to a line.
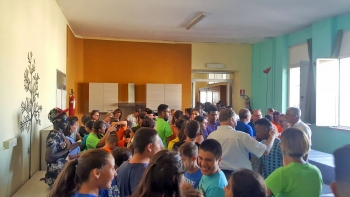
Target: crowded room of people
[175, 99]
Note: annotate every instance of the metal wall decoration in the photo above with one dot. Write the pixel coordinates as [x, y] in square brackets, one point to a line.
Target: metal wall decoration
[30, 107]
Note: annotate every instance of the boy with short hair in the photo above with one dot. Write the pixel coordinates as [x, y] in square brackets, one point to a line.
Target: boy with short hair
[146, 144]
[274, 159]
[213, 180]
[120, 156]
[189, 153]
[111, 143]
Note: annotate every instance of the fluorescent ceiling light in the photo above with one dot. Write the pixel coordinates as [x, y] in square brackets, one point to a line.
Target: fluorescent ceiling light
[198, 18]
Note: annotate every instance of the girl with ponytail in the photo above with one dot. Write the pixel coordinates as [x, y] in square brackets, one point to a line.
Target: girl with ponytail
[84, 177]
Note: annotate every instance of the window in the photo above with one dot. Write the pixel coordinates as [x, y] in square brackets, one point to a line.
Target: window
[333, 92]
[218, 76]
[298, 75]
[294, 87]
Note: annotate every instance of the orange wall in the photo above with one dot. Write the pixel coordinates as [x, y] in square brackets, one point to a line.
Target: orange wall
[123, 62]
[75, 70]
[140, 63]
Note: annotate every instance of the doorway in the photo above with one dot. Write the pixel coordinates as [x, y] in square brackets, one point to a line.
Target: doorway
[211, 86]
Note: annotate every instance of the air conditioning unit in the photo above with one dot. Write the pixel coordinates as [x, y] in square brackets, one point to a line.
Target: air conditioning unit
[215, 65]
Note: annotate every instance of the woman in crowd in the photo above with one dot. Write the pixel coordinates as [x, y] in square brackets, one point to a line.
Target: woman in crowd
[163, 176]
[95, 115]
[195, 113]
[177, 115]
[84, 177]
[118, 114]
[203, 129]
[57, 146]
[180, 132]
[98, 135]
[296, 177]
[244, 183]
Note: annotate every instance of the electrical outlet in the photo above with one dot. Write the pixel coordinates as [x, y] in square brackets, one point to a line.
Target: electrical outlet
[10, 143]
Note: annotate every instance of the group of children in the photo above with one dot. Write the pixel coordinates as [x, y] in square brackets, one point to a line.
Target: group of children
[191, 169]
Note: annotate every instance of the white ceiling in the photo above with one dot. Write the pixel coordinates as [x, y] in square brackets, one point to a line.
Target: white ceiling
[227, 21]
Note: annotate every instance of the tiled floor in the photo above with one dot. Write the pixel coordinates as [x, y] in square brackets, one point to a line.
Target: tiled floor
[321, 157]
[326, 191]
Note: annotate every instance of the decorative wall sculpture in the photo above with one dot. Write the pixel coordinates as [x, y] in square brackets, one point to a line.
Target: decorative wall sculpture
[30, 106]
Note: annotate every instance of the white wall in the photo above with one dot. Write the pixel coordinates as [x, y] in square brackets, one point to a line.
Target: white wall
[31, 25]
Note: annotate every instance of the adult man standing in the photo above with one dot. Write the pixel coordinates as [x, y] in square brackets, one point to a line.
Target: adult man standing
[162, 126]
[134, 118]
[236, 145]
[256, 116]
[213, 123]
[293, 115]
[244, 119]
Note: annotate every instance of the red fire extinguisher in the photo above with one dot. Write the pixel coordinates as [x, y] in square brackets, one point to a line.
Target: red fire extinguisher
[71, 103]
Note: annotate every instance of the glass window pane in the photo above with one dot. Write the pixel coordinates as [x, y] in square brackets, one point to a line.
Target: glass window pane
[218, 76]
[203, 96]
[327, 92]
[344, 92]
[294, 87]
[209, 96]
[211, 76]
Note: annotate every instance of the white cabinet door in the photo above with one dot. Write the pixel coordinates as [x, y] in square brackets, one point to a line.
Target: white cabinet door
[173, 96]
[96, 93]
[154, 95]
[110, 98]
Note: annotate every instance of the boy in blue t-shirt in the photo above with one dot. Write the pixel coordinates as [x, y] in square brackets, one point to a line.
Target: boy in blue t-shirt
[120, 155]
[213, 180]
[189, 153]
[75, 153]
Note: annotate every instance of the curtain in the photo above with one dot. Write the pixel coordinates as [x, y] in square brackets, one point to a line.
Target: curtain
[337, 44]
[310, 101]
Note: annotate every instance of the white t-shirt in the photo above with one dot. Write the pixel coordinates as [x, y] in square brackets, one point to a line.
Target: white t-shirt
[303, 127]
[235, 148]
[131, 118]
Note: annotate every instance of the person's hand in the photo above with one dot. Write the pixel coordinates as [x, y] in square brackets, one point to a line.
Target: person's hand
[68, 144]
[78, 136]
[111, 129]
[75, 145]
[187, 190]
[273, 132]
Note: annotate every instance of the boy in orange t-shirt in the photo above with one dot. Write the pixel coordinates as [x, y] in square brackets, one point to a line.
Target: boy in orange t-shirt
[111, 143]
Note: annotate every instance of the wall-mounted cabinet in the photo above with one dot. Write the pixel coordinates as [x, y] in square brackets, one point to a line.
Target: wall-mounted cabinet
[170, 94]
[103, 96]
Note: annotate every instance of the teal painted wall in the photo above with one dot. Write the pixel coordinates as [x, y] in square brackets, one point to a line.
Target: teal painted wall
[274, 52]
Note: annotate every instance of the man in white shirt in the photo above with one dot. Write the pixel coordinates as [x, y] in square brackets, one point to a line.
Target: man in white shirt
[293, 115]
[236, 144]
[134, 118]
